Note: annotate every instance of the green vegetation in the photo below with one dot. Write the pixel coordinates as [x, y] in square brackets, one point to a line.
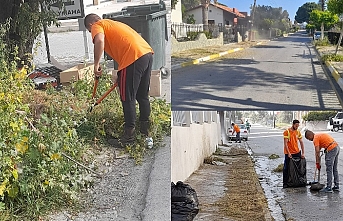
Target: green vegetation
[333, 57]
[279, 168]
[303, 12]
[267, 17]
[325, 18]
[39, 129]
[324, 42]
[274, 156]
[319, 115]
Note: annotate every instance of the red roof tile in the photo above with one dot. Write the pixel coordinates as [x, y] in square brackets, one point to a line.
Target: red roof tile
[231, 10]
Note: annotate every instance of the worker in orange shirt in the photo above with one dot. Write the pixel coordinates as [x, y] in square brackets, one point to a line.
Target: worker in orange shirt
[291, 137]
[134, 57]
[331, 149]
[236, 130]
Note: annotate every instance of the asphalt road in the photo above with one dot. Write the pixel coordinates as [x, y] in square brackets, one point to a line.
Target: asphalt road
[283, 74]
[293, 203]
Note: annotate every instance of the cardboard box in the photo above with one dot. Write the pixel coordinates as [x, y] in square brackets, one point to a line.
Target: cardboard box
[155, 82]
[78, 72]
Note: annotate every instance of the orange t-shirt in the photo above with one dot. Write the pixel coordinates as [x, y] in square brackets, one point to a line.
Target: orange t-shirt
[324, 140]
[236, 128]
[122, 43]
[293, 136]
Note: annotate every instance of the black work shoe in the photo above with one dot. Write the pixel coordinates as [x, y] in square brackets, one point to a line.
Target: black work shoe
[335, 188]
[128, 138]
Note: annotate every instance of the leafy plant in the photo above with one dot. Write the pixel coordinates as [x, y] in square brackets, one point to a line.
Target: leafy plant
[40, 129]
[333, 57]
[318, 115]
[324, 42]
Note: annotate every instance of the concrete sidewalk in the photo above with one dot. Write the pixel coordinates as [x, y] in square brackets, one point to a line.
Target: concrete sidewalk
[335, 68]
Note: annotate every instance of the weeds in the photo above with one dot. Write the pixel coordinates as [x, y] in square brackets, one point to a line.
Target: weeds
[279, 168]
[324, 42]
[38, 128]
[332, 57]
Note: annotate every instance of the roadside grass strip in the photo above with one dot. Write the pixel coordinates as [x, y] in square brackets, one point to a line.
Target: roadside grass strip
[210, 57]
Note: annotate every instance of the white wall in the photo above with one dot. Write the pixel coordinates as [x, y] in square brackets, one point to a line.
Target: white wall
[176, 14]
[215, 14]
[197, 15]
[190, 145]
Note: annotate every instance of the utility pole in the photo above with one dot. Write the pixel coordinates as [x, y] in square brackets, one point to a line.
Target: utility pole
[322, 26]
[252, 19]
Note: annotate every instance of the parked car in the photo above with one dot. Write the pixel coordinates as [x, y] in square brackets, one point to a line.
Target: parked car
[244, 133]
[316, 35]
[337, 122]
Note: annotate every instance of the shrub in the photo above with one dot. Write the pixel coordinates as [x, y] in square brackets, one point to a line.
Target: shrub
[319, 115]
[320, 42]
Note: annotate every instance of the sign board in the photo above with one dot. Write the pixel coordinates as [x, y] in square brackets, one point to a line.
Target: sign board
[68, 9]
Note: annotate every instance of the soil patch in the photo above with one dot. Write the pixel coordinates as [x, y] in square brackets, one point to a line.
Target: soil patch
[231, 191]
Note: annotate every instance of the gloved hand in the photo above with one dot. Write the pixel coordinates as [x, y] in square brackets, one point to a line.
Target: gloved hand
[318, 166]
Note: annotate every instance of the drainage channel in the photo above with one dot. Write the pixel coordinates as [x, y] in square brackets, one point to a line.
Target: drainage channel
[270, 182]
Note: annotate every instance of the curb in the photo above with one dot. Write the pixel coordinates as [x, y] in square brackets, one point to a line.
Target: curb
[207, 58]
[156, 207]
[335, 74]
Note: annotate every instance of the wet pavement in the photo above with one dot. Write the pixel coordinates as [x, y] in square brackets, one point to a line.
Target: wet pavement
[293, 203]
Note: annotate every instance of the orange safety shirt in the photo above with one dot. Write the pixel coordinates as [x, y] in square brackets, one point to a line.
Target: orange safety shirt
[293, 136]
[324, 140]
[122, 43]
[236, 128]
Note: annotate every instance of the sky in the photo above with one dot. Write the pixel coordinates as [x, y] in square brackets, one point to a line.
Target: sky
[290, 5]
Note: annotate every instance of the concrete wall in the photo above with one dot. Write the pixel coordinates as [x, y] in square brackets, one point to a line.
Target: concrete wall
[176, 14]
[197, 15]
[190, 145]
[215, 14]
[200, 42]
[316, 125]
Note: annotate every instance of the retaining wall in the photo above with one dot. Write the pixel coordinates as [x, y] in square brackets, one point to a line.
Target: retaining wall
[200, 42]
[190, 145]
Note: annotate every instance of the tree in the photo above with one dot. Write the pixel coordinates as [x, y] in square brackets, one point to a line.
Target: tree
[323, 20]
[205, 4]
[26, 19]
[336, 7]
[303, 12]
[268, 17]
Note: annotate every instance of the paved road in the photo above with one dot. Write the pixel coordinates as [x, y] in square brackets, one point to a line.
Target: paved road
[294, 203]
[283, 74]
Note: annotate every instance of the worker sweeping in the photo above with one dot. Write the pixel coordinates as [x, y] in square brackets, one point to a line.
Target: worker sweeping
[331, 149]
[134, 57]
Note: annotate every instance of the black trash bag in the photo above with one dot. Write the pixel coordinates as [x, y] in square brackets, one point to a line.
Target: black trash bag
[297, 172]
[184, 202]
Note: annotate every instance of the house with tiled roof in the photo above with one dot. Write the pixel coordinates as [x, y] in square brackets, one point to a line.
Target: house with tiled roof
[218, 14]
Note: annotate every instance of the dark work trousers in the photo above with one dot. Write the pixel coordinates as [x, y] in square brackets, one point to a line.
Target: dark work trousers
[134, 82]
[238, 136]
[285, 166]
